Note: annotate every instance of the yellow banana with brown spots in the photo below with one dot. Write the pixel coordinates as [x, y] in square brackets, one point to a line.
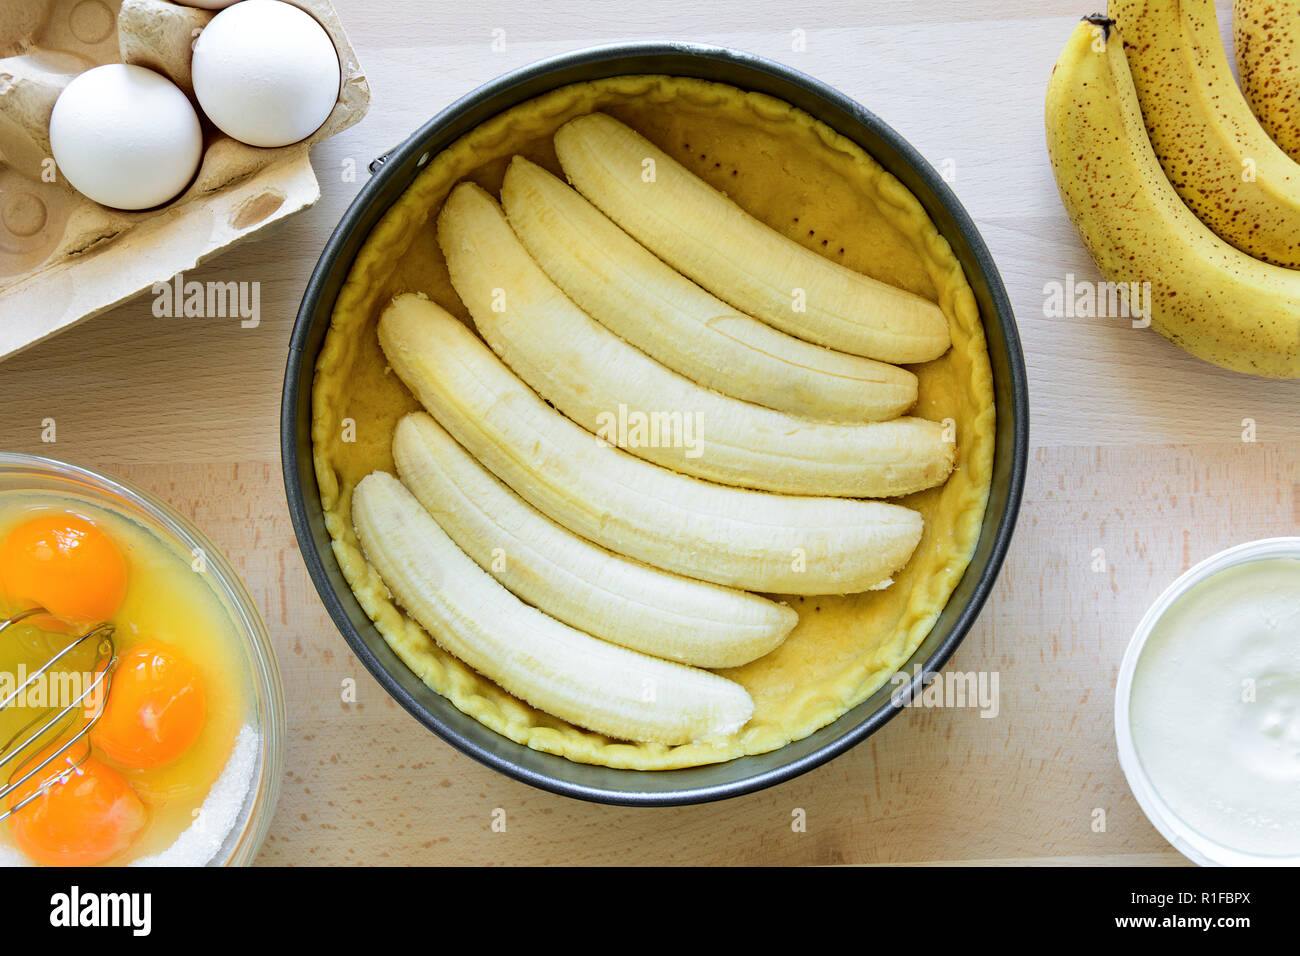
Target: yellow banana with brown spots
[1217, 155]
[1266, 40]
[1215, 301]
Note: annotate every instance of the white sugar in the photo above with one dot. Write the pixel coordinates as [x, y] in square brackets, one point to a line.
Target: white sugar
[212, 823]
[216, 818]
[11, 857]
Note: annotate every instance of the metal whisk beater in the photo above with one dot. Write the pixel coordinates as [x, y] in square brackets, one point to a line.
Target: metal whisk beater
[52, 719]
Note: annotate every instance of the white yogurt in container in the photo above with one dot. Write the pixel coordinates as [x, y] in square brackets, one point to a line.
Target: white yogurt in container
[1207, 708]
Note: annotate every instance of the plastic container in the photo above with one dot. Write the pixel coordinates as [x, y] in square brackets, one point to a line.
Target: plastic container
[1197, 847]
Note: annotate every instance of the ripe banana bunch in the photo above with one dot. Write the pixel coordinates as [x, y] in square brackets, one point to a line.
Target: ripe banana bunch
[707, 237]
[730, 536]
[577, 677]
[1266, 38]
[588, 373]
[1210, 298]
[1212, 148]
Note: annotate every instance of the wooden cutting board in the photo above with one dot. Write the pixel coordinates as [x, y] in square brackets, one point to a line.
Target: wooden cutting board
[1140, 467]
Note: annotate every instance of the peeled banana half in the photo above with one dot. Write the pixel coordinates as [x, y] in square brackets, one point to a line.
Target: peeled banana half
[649, 304]
[572, 675]
[1212, 299]
[604, 594]
[602, 382]
[707, 237]
[731, 536]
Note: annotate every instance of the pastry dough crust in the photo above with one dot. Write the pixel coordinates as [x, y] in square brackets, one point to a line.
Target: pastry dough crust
[797, 175]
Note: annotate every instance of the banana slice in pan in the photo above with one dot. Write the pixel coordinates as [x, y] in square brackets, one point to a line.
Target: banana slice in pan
[612, 388]
[572, 675]
[704, 235]
[731, 536]
[634, 294]
[605, 595]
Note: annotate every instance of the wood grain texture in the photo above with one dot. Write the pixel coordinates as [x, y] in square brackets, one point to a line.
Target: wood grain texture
[1137, 451]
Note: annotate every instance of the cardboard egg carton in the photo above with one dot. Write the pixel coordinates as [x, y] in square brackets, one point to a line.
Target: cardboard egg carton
[65, 258]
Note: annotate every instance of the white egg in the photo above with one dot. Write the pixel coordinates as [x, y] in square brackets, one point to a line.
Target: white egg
[207, 4]
[266, 73]
[125, 136]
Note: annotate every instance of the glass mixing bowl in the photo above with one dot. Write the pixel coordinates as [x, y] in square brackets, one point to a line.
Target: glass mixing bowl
[31, 475]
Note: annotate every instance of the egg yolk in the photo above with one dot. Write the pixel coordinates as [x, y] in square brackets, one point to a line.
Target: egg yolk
[66, 565]
[88, 816]
[155, 708]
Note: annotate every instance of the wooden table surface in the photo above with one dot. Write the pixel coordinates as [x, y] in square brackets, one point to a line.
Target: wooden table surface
[1138, 450]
